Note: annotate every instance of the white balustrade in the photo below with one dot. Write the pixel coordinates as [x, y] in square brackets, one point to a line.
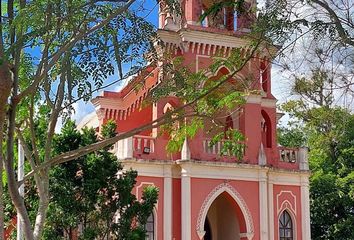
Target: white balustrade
[214, 149]
[125, 148]
[144, 144]
[289, 155]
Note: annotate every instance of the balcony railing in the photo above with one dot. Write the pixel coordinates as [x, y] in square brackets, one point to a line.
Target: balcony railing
[294, 156]
[144, 147]
[143, 144]
[289, 155]
[215, 152]
[134, 146]
[212, 149]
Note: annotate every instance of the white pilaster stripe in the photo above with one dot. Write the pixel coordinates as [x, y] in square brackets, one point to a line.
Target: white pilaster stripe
[305, 208]
[263, 206]
[271, 209]
[167, 210]
[186, 204]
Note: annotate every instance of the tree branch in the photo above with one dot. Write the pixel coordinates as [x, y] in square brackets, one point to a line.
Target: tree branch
[66, 47]
[343, 34]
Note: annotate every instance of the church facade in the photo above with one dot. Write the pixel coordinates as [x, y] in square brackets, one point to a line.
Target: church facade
[263, 196]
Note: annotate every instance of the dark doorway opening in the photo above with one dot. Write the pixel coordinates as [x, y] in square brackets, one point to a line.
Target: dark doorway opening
[207, 230]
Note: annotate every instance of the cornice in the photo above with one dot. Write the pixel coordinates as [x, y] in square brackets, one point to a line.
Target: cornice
[188, 35]
[217, 170]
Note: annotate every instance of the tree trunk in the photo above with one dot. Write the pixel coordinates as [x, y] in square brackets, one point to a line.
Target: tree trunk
[43, 193]
[5, 89]
[6, 84]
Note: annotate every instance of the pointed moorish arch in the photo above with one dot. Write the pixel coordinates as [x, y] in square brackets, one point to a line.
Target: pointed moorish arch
[236, 196]
[292, 215]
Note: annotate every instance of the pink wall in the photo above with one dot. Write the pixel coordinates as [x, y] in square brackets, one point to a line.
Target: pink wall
[247, 189]
[176, 209]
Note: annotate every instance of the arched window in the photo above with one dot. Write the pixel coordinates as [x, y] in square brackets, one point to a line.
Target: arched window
[286, 231]
[150, 227]
[266, 129]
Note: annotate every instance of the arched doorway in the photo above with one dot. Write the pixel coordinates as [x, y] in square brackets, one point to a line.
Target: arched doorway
[222, 221]
[224, 210]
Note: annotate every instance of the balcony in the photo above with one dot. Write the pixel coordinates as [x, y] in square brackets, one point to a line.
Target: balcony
[200, 149]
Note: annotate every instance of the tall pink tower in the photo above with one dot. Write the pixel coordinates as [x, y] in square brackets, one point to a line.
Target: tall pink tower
[264, 196]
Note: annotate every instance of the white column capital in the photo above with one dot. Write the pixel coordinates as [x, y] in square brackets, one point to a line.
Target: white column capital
[263, 175]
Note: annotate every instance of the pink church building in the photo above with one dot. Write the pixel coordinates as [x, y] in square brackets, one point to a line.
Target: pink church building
[264, 196]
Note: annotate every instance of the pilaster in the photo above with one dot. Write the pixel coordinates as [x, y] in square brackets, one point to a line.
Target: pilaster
[270, 209]
[186, 202]
[305, 208]
[263, 205]
[167, 211]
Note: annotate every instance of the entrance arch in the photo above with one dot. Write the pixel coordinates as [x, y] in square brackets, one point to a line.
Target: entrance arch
[226, 214]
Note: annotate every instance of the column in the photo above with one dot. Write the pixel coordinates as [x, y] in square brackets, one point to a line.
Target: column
[305, 208]
[167, 202]
[270, 208]
[263, 205]
[186, 203]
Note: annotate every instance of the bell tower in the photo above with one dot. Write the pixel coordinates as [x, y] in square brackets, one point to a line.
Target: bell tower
[198, 41]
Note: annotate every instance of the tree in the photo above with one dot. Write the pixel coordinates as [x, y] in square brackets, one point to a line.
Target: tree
[87, 192]
[50, 50]
[330, 136]
[329, 132]
[316, 35]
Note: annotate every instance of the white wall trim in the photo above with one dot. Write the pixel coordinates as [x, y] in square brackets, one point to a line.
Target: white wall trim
[224, 187]
[154, 212]
[263, 206]
[285, 203]
[305, 209]
[167, 209]
[186, 204]
[140, 186]
[271, 210]
[215, 170]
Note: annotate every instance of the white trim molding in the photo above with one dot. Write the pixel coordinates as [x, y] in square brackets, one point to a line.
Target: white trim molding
[167, 208]
[186, 204]
[225, 187]
[286, 204]
[271, 209]
[305, 209]
[263, 206]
